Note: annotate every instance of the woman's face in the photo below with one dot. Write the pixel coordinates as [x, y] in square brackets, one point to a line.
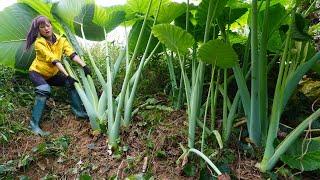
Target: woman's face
[45, 30]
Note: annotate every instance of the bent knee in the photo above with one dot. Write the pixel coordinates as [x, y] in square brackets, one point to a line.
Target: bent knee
[43, 90]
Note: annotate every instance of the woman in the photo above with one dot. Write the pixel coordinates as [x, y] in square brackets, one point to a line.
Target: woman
[47, 70]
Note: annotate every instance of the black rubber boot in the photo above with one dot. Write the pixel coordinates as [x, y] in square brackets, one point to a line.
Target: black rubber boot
[76, 104]
[37, 111]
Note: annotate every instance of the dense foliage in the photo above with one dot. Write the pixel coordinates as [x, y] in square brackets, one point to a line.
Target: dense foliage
[203, 61]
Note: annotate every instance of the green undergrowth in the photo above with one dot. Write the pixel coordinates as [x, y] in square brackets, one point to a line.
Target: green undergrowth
[15, 93]
[55, 147]
[16, 102]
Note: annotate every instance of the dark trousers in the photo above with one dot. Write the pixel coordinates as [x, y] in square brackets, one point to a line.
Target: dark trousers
[57, 80]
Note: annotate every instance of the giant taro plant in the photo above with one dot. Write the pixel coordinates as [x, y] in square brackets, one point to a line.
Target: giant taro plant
[201, 41]
[91, 22]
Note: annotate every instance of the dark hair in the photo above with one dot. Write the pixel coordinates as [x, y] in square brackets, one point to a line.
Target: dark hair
[34, 30]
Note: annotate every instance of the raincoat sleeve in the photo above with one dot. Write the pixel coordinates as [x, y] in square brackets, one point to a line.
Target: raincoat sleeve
[44, 53]
[67, 49]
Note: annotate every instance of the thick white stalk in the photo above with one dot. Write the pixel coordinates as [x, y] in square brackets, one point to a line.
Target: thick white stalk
[114, 133]
[109, 89]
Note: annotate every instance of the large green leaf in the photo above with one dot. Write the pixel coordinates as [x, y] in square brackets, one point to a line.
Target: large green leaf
[15, 22]
[181, 20]
[194, 27]
[109, 17]
[303, 159]
[276, 15]
[67, 10]
[231, 15]
[202, 11]
[92, 31]
[275, 42]
[134, 35]
[79, 12]
[44, 9]
[40, 6]
[170, 11]
[300, 28]
[237, 4]
[174, 37]
[140, 7]
[219, 53]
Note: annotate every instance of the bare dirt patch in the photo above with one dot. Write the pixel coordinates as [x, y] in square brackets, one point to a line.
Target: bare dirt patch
[152, 147]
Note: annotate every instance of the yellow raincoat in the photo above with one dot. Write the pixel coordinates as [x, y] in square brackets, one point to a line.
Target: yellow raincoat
[46, 53]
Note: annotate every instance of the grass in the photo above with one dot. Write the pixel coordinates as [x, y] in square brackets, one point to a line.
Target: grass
[15, 93]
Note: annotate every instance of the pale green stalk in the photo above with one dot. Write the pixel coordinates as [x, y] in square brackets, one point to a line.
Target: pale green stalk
[206, 159]
[185, 81]
[254, 123]
[295, 78]
[267, 165]
[228, 102]
[275, 115]
[114, 134]
[231, 116]
[232, 113]
[286, 83]
[214, 101]
[225, 108]
[173, 81]
[126, 98]
[246, 63]
[206, 108]
[128, 109]
[180, 96]
[194, 107]
[96, 69]
[201, 125]
[197, 87]
[90, 90]
[87, 104]
[129, 104]
[151, 54]
[262, 70]
[118, 62]
[194, 66]
[146, 61]
[109, 89]
[244, 92]
[180, 92]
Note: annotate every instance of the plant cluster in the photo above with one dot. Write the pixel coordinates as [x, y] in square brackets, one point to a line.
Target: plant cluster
[204, 57]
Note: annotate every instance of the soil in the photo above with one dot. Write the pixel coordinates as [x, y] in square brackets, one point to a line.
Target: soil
[149, 144]
[88, 153]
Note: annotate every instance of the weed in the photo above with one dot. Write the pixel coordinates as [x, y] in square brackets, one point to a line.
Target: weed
[15, 93]
[10, 167]
[55, 147]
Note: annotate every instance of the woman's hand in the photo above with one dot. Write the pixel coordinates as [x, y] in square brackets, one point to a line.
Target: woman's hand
[86, 70]
[85, 67]
[70, 81]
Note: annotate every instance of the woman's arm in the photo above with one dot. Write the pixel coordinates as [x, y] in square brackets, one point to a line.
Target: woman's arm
[61, 68]
[77, 59]
[86, 69]
[68, 50]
